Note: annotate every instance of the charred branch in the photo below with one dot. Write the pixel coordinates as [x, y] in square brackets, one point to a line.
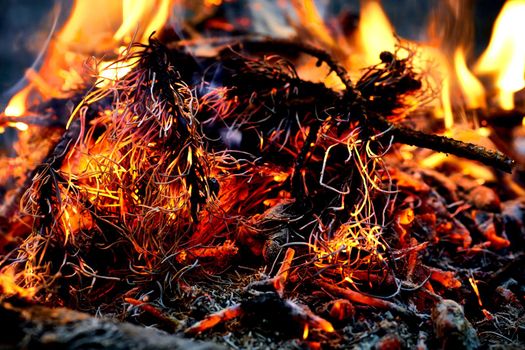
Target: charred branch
[445, 144]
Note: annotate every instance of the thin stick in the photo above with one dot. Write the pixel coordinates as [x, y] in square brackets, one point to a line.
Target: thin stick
[445, 144]
[212, 320]
[360, 298]
[152, 310]
[280, 279]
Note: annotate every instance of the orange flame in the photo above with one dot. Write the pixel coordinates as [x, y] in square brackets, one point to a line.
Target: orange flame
[470, 86]
[115, 26]
[10, 287]
[375, 33]
[504, 57]
[17, 105]
[305, 331]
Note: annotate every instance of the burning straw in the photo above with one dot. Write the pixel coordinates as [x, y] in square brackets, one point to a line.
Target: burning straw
[196, 162]
[150, 176]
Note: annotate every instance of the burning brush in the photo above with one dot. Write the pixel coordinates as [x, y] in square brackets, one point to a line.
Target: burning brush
[184, 160]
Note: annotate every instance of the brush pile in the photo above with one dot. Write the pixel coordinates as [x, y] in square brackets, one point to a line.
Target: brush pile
[196, 175]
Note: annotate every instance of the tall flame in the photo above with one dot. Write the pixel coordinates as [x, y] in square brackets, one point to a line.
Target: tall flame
[470, 86]
[375, 33]
[504, 57]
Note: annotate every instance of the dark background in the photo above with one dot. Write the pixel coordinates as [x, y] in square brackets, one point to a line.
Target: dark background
[25, 25]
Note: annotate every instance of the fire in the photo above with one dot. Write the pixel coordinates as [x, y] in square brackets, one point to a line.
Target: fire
[474, 285]
[504, 58]
[17, 105]
[146, 16]
[117, 24]
[306, 331]
[143, 172]
[212, 2]
[311, 19]
[446, 104]
[9, 285]
[375, 33]
[471, 87]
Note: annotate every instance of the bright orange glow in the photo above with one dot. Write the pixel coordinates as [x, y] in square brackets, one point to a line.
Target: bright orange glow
[474, 285]
[115, 26]
[446, 104]
[406, 216]
[504, 57]
[10, 287]
[212, 2]
[72, 221]
[375, 33]
[305, 331]
[17, 105]
[471, 88]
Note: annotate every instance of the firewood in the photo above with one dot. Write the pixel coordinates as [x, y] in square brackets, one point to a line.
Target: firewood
[39, 327]
[447, 145]
[361, 298]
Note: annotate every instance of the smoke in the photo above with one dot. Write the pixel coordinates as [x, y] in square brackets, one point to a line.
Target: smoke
[25, 29]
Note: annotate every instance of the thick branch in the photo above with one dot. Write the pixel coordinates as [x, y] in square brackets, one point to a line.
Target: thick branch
[37, 327]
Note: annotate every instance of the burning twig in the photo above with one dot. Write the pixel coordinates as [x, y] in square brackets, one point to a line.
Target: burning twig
[444, 144]
[155, 312]
[266, 306]
[360, 298]
[276, 283]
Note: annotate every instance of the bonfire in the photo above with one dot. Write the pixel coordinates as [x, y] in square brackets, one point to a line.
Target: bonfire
[265, 175]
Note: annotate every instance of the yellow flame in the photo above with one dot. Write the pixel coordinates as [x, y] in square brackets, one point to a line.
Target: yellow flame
[212, 2]
[10, 287]
[504, 58]
[311, 19]
[474, 285]
[21, 126]
[111, 71]
[470, 86]
[305, 331]
[446, 104]
[17, 105]
[147, 15]
[375, 33]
